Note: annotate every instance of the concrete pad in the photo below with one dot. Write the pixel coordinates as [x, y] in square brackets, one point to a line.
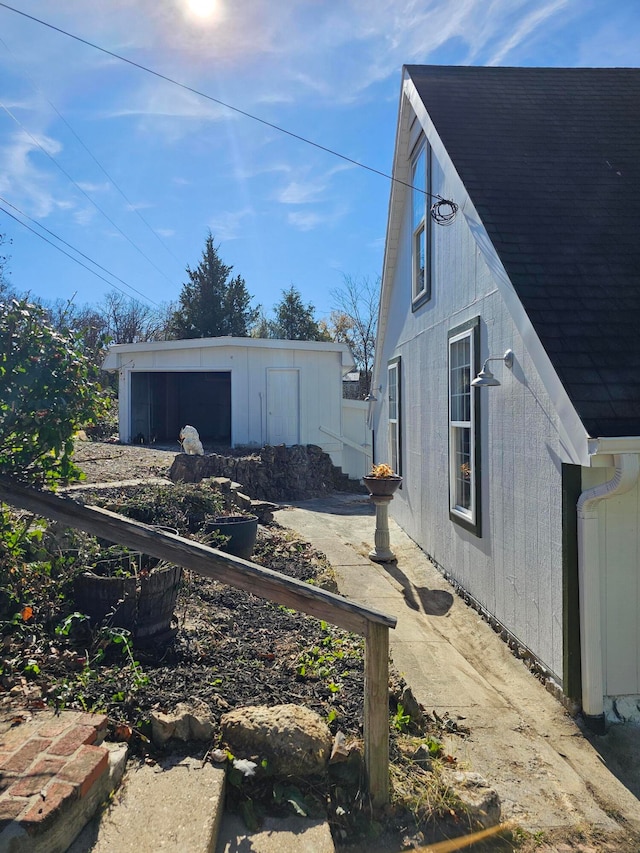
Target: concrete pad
[522, 740]
[277, 835]
[175, 806]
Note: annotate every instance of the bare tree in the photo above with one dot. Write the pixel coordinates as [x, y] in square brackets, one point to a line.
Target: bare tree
[128, 320]
[354, 321]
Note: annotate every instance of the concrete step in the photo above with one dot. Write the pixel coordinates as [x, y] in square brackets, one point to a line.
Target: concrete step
[175, 805]
[277, 835]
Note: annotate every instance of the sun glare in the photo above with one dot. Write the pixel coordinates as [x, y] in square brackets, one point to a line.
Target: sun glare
[202, 8]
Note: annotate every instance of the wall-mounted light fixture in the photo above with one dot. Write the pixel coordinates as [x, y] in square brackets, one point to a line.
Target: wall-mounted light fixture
[486, 379]
[371, 396]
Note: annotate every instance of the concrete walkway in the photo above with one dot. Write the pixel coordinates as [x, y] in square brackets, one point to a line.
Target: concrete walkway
[547, 772]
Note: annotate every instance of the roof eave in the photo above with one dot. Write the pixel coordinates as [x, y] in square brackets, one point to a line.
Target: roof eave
[117, 351]
[603, 450]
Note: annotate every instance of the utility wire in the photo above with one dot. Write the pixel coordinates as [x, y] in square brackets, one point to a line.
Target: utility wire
[42, 237]
[443, 210]
[91, 154]
[80, 190]
[73, 248]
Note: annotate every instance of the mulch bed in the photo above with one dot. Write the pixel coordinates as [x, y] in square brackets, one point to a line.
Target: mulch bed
[233, 649]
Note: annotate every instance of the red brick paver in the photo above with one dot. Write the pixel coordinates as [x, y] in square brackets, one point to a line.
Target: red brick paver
[69, 742]
[47, 762]
[85, 768]
[48, 808]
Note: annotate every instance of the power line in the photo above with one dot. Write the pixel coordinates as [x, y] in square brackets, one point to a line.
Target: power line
[93, 157]
[442, 211]
[80, 190]
[55, 236]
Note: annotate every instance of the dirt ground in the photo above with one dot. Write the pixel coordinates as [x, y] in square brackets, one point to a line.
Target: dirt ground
[231, 649]
[271, 649]
[106, 462]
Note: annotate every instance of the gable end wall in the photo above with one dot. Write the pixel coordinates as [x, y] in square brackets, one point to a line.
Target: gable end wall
[515, 569]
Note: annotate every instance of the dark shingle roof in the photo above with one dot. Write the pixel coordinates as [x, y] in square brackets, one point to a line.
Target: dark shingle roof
[551, 160]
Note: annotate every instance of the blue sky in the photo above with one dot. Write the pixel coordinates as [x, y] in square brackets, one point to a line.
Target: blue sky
[132, 171]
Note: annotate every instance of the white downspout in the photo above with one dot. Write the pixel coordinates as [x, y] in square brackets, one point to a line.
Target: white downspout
[626, 474]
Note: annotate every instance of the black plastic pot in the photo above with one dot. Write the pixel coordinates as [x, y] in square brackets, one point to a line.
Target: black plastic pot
[242, 531]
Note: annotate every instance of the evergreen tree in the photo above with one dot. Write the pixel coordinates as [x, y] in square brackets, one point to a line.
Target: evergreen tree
[210, 305]
[295, 321]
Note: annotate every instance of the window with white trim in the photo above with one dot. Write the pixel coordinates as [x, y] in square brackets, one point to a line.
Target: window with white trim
[420, 225]
[464, 454]
[393, 398]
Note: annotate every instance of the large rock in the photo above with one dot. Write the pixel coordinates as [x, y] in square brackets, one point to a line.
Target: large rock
[186, 722]
[294, 740]
[480, 801]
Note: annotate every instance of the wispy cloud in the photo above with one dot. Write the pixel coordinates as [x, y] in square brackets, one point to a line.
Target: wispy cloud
[327, 71]
[307, 220]
[615, 43]
[21, 180]
[301, 192]
[527, 26]
[159, 99]
[229, 225]
[89, 187]
[302, 189]
[246, 171]
[84, 215]
[377, 244]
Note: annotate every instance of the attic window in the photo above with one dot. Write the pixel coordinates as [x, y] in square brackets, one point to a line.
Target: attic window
[420, 225]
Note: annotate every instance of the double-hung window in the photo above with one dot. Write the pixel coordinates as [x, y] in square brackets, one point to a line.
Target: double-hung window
[420, 224]
[393, 396]
[464, 444]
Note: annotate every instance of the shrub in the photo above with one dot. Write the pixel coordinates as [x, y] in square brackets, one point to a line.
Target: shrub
[182, 506]
[48, 389]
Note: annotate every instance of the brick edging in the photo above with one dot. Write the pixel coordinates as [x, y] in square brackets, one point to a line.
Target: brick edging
[47, 763]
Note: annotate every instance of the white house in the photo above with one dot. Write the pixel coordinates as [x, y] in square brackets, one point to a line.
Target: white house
[514, 227]
[242, 392]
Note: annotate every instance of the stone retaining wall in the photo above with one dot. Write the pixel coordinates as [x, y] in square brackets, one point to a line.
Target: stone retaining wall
[270, 473]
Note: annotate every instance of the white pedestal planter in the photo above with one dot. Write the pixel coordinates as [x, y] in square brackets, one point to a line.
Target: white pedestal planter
[382, 491]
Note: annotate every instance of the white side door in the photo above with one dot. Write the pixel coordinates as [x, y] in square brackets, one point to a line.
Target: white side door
[283, 406]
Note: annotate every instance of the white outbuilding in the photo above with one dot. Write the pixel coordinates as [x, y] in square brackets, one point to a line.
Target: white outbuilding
[242, 392]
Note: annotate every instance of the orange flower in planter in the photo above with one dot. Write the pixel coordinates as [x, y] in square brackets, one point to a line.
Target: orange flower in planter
[381, 481]
[382, 472]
